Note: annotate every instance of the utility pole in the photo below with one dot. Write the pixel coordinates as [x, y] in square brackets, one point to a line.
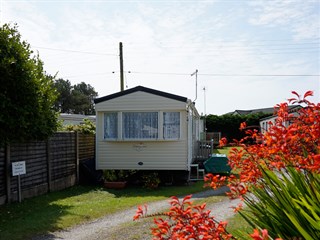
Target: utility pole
[196, 73]
[121, 67]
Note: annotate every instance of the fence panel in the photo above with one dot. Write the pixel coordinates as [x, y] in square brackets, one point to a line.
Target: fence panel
[86, 146]
[50, 165]
[34, 154]
[62, 155]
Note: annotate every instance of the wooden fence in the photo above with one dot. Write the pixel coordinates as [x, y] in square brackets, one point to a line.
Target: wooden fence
[50, 165]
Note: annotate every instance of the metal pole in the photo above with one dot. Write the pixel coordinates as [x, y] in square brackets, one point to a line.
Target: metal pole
[19, 189]
[196, 73]
[205, 113]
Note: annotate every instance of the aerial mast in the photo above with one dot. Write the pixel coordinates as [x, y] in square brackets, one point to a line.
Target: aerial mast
[196, 73]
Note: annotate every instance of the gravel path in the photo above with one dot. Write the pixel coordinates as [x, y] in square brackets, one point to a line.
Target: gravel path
[119, 226]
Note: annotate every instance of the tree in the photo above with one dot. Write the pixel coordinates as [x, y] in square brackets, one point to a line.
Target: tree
[75, 99]
[64, 101]
[83, 95]
[229, 124]
[27, 94]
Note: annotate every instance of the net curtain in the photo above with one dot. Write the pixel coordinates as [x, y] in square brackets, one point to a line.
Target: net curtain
[140, 125]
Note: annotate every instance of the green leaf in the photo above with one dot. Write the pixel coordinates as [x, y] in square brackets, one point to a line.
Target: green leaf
[297, 225]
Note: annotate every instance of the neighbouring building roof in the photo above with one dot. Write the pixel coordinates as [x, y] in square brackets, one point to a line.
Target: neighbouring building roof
[262, 110]
[141, 89]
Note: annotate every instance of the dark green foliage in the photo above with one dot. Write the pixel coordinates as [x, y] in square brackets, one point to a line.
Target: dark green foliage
[63, 102]
[287, 204]
[27, 94]
[229, 124]
[117, 175]
[75, 99]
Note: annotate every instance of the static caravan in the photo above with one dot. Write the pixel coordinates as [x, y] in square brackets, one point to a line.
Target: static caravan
[75, 119]
[146, 129]
[265, 122]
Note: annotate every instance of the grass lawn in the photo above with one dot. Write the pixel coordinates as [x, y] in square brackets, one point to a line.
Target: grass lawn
[59, 210]
[224, 150]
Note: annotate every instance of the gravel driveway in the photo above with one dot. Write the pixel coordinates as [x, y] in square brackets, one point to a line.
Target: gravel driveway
[119, 226]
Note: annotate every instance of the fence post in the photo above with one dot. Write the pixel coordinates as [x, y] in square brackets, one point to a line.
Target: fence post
[7, 171]
[49, 176]
[77, 155]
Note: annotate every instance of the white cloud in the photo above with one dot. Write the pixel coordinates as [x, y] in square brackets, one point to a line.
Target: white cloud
[300, 17]
[308, 28]
[36, 27]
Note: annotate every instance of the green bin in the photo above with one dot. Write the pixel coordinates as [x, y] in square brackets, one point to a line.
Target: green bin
[217, 163]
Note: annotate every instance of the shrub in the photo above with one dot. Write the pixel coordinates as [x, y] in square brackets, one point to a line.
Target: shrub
[281, 171]
[151, 180]
[186, 221]
[117, 175]
[87, 127]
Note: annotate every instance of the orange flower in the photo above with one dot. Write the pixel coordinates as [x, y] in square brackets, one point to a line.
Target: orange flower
[238, 208]
[243, 125]
[256, 234]
[140, 212]
[281, 146]
[223, 142]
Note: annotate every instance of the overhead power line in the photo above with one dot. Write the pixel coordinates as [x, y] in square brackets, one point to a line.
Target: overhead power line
[76, 51]
[199, 74]
[223, 45]
[212, 41]
[162, 73]
[231, 75]
[261, 75]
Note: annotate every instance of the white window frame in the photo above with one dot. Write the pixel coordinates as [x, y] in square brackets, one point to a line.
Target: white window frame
[104, 126]
[160, 131]
[166, 137]
[148, 131]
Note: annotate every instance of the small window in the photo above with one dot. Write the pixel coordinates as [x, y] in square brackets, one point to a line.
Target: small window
[171, 125]
[140, 125]
[111, 125]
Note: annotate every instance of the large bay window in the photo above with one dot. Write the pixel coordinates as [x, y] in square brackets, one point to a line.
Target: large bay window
[141, 125]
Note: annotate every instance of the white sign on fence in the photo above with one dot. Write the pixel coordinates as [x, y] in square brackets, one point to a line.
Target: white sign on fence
[18, 168]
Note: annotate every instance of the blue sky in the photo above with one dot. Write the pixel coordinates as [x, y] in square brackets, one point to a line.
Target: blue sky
[249, 54]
